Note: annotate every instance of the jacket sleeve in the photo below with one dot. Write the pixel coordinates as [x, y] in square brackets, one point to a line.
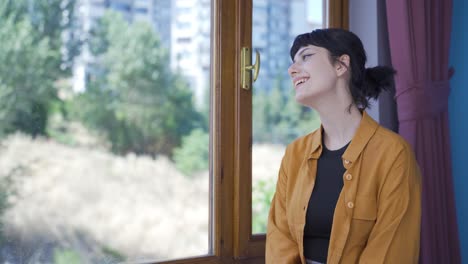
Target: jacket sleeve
[281, 248]
[396, 234]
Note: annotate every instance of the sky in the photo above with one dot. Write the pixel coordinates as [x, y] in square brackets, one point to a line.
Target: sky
[314, 11]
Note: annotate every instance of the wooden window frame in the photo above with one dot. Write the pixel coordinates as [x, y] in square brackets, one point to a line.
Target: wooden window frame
[231, 238]
[338, 14]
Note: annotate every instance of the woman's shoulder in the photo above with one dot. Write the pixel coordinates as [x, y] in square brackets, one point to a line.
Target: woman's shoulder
[389, 145]
[388, 138]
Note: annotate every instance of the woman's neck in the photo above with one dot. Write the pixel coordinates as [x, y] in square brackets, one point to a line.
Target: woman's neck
[339, 126]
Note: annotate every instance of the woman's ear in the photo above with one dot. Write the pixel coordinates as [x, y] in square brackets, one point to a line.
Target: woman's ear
[342, 65]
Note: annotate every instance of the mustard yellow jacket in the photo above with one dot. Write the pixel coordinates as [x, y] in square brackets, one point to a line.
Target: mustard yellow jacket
[377, 216]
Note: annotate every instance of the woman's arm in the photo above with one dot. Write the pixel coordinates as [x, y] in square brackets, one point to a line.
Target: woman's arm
[396, 234]
[281, 248]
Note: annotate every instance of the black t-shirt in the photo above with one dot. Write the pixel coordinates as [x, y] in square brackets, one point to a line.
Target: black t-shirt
[322, 203]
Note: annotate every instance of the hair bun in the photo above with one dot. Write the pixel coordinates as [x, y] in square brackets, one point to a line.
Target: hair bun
[377, 79]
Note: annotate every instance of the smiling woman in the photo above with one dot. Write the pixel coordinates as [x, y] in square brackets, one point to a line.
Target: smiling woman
[350, 191]
[311, 72]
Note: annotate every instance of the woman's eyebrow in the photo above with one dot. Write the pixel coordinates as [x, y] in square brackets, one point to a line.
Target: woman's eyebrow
[300, 53]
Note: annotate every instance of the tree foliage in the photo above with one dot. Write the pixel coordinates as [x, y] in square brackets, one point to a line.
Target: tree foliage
[31, 37]
[193, 155]
[54, 20]
[278, 118]
[26, 86]
[262, 194]
[133, 96]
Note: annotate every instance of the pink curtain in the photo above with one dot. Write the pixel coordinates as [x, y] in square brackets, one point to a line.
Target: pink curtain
[419, 33]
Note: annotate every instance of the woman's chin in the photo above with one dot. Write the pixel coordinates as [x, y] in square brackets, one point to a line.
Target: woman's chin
[305, 99]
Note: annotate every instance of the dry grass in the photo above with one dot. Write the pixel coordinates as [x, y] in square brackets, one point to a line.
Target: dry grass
[77, 197]
[135, 205]
[266, 160]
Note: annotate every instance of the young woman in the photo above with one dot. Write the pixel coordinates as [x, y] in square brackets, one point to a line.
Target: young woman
[349, 192]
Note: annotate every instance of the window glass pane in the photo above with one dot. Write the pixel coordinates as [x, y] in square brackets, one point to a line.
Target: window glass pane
[104, 142]
[277, 118]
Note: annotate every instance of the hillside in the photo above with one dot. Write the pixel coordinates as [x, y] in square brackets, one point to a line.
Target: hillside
[102, 206]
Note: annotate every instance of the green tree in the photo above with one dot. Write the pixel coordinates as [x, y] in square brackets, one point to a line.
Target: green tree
[26, 86]
[54, 20]
[278, 118]
[193, 155]
[134, 98]
[31, 37]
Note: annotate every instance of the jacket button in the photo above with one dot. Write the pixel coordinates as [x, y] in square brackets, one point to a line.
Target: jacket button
[350, 205]
[349, 177]
[346, 161]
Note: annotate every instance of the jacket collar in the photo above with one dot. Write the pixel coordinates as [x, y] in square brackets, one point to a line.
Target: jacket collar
[364, 133]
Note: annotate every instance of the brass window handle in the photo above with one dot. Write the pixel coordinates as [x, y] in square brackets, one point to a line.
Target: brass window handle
[247, 67]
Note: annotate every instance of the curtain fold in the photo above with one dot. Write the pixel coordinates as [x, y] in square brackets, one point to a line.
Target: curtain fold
[419, 34]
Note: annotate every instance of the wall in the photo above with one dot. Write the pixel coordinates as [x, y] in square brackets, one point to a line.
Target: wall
[458, 115]
[363, 22]
[368, 20]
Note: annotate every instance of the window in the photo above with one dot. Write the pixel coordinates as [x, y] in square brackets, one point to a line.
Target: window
[184, 40]
[102, 191]
[106, 165]
[121, 6]
[141, 10]
[277, 119]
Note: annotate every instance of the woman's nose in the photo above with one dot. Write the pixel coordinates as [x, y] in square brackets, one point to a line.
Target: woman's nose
[292, 70]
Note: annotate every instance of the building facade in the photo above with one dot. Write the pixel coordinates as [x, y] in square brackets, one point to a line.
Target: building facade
[184, 27]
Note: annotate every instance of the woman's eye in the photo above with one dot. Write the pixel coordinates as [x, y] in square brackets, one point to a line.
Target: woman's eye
[305, 56]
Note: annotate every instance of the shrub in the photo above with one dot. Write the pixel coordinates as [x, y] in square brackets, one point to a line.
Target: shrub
[262, 193]
[193, 155]
[66, 256]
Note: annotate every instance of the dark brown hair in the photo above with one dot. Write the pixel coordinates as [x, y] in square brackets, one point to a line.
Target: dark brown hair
[365, 83]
